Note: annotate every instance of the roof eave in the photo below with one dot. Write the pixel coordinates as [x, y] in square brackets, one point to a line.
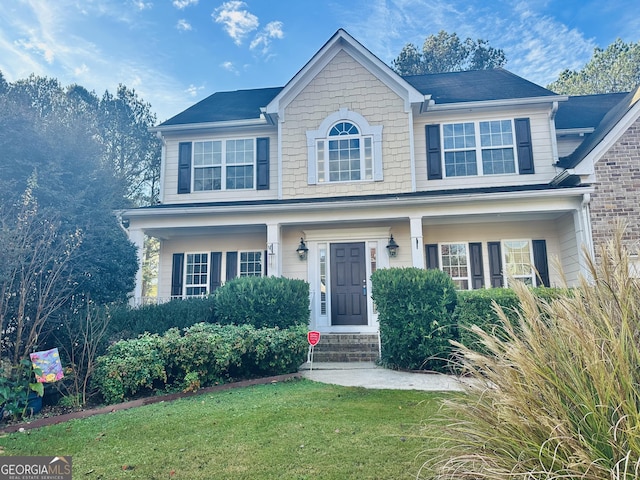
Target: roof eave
[187, 127]
[352, 203]
[508, 102]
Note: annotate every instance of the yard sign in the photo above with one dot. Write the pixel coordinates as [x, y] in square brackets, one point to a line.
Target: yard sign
[313, 337]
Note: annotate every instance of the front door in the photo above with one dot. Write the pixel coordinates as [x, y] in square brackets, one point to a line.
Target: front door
[348, 284]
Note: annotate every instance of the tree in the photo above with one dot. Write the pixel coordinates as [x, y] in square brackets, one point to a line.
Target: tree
[447, 53]
[35, 273]
[50, 145]
[129, 148]
[615, 69]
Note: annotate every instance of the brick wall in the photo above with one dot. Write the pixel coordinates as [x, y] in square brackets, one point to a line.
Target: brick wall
[617, 190]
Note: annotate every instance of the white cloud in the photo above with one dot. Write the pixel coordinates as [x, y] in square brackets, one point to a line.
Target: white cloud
[38, 46]
[229, 66]
[263, 38]
[182, 4]
[81, 70]
[183, 25]
[237, 20]
[141, 5]
[193, 90]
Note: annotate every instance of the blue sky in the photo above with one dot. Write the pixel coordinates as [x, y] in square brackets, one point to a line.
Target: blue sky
[176, 52]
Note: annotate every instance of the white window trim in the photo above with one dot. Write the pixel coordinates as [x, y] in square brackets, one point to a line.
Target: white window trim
[184, 273]
[344, 114]
[262, 262]
[478, 149]
[223, 165]
[533, 276]
[468, 253]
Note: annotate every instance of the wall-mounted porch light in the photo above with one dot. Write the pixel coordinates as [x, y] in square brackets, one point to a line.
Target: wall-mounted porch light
[302, 250]
[392, 247]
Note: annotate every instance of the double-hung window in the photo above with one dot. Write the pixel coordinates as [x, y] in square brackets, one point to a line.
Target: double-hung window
[223, 164]
[479, 148]
[454, 260]
[251, 264]
[345, 155]
[197, 274]
[344, 149]
[518, 260]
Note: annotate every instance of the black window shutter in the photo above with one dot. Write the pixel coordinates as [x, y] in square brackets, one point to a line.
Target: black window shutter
[431, 251]
[177, 270]
[540, 261]
[215, 279]
[523, 144]
[434, 157]
[184, 167]
[495, 264]
[262, 163]
[265, 263]
[232, 265]
[477, 270]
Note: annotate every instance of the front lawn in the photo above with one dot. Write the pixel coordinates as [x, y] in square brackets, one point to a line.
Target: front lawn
[294, 430]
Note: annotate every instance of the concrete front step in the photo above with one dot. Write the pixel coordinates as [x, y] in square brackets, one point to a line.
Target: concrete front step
[341, 347]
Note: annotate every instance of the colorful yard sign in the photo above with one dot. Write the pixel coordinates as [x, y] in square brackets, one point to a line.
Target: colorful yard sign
[313, 337]
[48, 362]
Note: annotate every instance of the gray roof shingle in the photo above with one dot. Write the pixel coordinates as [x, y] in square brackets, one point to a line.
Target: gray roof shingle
[454, 87]
[226, 106]
[586, 111]
[475, 85]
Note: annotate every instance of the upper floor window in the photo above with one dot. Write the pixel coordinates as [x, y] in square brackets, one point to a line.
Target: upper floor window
[345, 149]
[478, 148]
[223, 164]
[345, 155]
[495, 147]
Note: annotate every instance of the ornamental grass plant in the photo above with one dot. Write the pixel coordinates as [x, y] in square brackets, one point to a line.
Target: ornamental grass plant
[557, 396]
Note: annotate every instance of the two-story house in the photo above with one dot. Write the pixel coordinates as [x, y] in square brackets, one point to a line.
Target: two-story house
[350, 167]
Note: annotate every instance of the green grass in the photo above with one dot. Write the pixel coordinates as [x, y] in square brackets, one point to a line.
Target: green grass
[293, 430]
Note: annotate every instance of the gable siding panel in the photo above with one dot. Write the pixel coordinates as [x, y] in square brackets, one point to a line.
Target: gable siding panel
[345, 82]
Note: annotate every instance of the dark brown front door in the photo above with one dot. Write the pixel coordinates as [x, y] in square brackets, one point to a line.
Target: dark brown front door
[348, 284]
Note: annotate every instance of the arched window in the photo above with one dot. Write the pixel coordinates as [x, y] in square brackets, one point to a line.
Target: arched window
[345, 149]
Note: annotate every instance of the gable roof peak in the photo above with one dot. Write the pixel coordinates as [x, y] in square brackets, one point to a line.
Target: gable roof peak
[341, 40]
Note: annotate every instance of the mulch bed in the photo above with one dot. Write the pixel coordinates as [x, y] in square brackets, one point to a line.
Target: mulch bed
[53, 420]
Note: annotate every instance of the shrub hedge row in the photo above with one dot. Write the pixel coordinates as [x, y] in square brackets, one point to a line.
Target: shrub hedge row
[199, 356]
[420, 313]
[257, 301]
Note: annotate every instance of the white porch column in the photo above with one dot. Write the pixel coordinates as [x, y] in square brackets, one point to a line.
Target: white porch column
[584, 236]
[136, 236]
[274, 268]
[417, 251]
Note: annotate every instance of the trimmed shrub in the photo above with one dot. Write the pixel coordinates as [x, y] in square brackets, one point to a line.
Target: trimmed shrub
[415, 308]
[131, 367]
[263, 302]
[127, 322]
[476, 308]
[203, 355]
[558, 397]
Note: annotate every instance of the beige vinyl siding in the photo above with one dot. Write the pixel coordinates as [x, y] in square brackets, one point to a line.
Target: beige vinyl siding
[345, 83]
[494, 232]
[541, 138]
[569, 249]
[221, 242]
[568, 144]
[170, 180]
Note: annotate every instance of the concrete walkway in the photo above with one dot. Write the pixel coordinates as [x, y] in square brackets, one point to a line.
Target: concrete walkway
[369, 375]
